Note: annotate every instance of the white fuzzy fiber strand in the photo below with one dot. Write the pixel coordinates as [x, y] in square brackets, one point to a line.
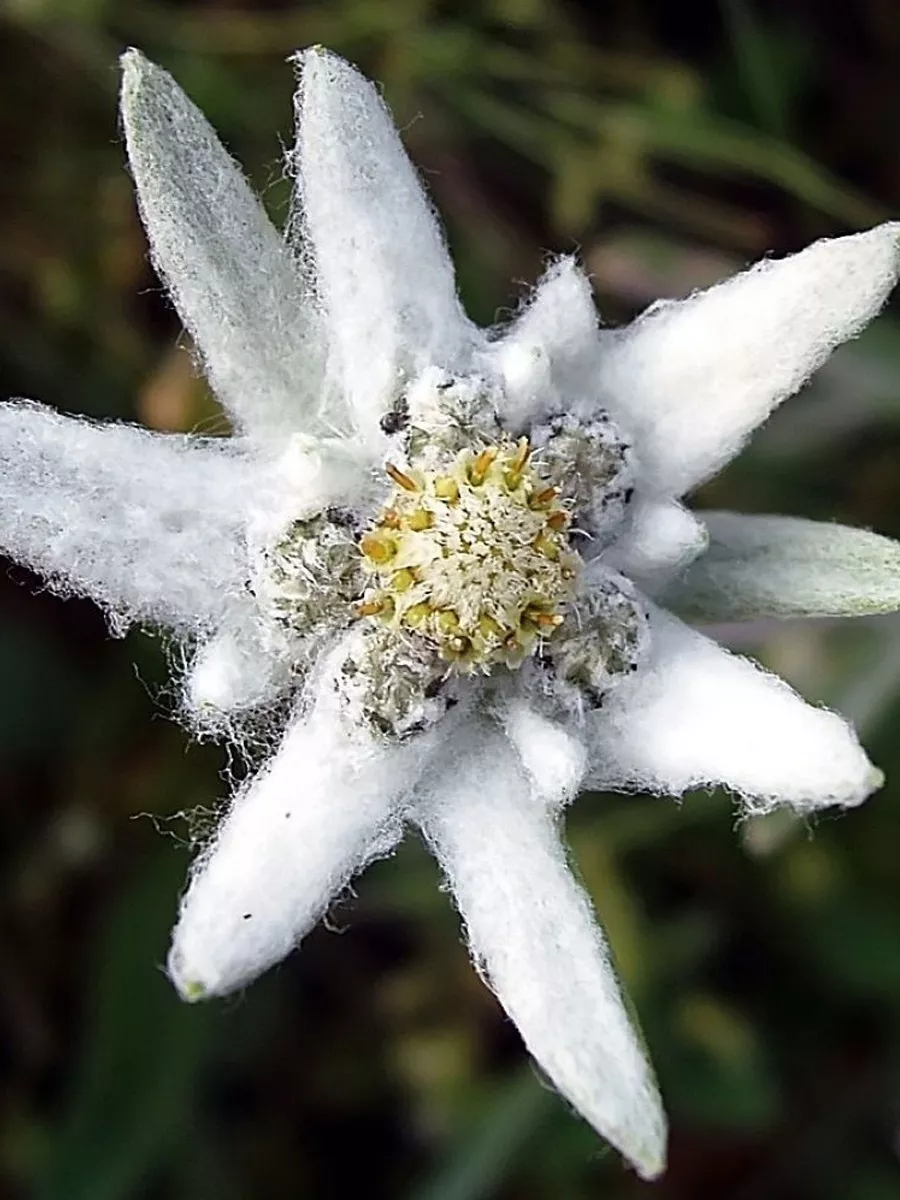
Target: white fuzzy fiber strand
[533, 935]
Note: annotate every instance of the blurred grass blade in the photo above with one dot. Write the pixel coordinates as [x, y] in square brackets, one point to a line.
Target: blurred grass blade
[483, 1159]
[133, 1095]
[760, 76]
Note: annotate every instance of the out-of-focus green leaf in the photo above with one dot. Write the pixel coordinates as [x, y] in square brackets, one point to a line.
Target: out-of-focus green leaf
[486, 1156]
[133, 1094]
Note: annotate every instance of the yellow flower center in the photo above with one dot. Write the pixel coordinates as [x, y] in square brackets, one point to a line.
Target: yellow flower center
[474, 557]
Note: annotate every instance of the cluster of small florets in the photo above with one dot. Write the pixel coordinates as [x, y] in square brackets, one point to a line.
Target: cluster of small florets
[474, 557]
[471, 562]
[311, 574]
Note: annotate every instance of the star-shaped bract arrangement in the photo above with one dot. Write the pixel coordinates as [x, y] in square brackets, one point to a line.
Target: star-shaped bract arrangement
[439, 557]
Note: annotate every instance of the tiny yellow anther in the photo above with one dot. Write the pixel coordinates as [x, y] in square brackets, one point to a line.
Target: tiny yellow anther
[481, 465]
[521, 456]
[401, 480]
[545, 496]
[403, 580]
[370, 608]
[446, 488]
[547, 545]
[378, 547]
[545, 619]
[447, 621]
[419, 520]
[390, 518]
[489, 629]
[558, 519]
[417, 614]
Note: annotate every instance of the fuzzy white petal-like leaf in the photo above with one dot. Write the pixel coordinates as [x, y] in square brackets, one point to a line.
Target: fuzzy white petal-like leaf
[696, 716]
[362, 216]
[327, 803]
[239, 292]
[547, 357]
[690, 379]
[553, 755]
[533, 935]
[766, 566]
[232, 672]
[149, 525]
[659, 539]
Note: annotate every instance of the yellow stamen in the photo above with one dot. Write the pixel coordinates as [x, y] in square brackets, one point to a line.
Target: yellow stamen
[403, 580]
[446, 488]
[547, 545]
[481, 465]
[390, 519]
[521, 456]
[545, 496]
[401, 480]
[448, 621]
[558, 520]
[378, 547]
[419, 520]
[546, 619]
[369, 608]
[489, 629]
[417, 614]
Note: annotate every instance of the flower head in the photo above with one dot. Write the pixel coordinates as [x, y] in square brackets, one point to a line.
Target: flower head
[439, 557]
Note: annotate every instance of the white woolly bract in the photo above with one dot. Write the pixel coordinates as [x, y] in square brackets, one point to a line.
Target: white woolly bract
[659, 539]
[232, 672]
[327, 803]
[362, 220]
[148, 525]
[546, 357]
[784, 566]
[554, 756]
[696, 716]
[690, 379]
[533, 936]
[238, 289]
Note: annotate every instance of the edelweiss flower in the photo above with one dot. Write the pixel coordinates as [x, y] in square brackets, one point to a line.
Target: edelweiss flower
[436, 557]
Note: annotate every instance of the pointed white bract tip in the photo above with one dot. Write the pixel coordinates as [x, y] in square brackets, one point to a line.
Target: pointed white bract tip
[137, 71]
[383, 272]
[231, 673]
[691, 379]
[649, 1159]
[554, 758]
[877, 780]
[192, 991]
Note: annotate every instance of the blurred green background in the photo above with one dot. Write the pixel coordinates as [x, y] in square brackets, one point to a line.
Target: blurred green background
[670, 143]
